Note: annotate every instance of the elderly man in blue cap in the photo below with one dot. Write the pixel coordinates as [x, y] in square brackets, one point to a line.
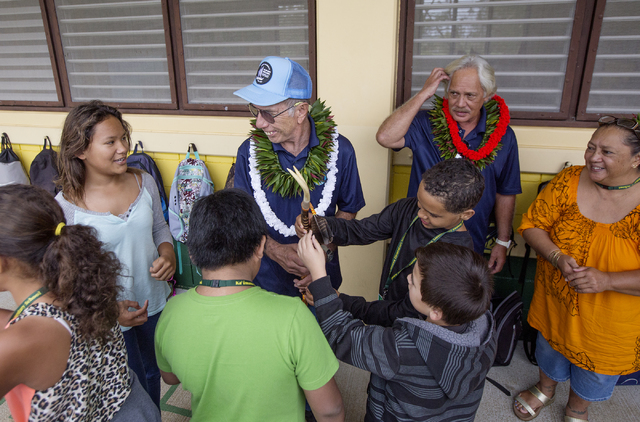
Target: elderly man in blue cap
[289, 132]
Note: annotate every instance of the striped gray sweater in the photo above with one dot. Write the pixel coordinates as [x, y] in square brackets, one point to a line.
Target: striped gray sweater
[419, 371]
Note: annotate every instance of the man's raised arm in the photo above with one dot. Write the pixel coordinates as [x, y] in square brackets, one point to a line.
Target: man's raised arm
[391, 132]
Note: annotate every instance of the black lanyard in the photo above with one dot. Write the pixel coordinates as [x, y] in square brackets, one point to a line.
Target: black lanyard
[391, 276]
[621, 187]
[28, 301]
[226, 283]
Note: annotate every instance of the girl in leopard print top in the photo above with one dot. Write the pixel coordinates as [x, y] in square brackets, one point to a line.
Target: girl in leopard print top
[62, 356]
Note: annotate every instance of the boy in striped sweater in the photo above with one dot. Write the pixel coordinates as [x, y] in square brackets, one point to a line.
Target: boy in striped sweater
[421, 370]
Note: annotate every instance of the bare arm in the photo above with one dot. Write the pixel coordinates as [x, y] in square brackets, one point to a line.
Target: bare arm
[539, 241]
[504, 209]
[326, 402]
[542, 244]
[391, 132]
[346, 215]
[169, 378]
[590, 280]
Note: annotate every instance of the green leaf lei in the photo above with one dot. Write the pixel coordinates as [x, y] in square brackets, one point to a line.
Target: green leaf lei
[315, 168]
[442, 135]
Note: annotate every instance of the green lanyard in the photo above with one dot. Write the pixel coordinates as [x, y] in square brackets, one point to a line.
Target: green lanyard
[397, 253]
[226, 283]
[28, 301]
[621, 187]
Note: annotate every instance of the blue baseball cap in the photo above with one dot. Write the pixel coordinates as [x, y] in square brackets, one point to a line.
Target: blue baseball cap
[277, 79]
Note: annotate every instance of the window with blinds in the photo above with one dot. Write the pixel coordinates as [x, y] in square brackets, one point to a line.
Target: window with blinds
[26, 73]
[615, 82]
[115, 50]
[526, 42]
[224, 41]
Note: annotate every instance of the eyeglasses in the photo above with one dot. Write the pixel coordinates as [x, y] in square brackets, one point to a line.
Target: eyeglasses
[270, 118]
[630, 124]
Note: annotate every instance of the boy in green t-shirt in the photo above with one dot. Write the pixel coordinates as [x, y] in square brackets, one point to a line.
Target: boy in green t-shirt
[245, 354]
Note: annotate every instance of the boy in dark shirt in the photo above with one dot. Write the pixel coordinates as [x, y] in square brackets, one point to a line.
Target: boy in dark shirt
[446, 197]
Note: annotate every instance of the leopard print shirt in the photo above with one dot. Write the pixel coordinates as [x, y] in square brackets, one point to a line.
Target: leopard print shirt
[96, 382]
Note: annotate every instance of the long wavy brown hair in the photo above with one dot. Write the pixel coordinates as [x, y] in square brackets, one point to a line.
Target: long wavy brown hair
[79, 127]
[74, 267]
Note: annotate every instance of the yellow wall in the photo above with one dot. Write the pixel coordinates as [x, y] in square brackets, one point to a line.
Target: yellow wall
[356, 56]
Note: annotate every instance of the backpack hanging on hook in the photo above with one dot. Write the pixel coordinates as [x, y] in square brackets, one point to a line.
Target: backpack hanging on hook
[11, 170]
[191, 181]
[44, 169]
[143, 161]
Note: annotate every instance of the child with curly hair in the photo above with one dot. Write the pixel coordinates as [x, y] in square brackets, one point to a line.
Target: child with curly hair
[62, 356]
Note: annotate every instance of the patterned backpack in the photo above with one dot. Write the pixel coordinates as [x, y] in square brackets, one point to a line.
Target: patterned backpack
[192, 181]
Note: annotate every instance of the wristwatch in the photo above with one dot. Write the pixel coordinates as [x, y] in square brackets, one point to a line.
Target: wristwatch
[503, 243]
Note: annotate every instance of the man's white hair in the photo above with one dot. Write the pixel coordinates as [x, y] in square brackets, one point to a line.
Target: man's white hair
[485, 73]
[290, 102]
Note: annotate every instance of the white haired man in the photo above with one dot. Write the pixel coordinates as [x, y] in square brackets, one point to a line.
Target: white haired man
[472, 122]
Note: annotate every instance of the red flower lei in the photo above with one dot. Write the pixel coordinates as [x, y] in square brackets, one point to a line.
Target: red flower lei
[497, 123]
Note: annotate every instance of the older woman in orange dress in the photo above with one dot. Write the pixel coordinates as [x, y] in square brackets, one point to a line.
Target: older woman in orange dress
[585, 228]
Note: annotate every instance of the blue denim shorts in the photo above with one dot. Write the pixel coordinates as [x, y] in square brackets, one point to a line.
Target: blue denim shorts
[588, 385]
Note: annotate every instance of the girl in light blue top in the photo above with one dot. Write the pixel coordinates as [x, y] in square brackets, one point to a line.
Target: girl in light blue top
[123, 205]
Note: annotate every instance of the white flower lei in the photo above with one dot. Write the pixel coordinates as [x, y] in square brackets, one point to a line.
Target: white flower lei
[261, 198]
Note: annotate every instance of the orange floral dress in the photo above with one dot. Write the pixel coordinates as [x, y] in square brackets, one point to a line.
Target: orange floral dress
[599, 332]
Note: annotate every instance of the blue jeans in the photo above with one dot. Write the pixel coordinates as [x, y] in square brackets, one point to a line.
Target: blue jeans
[588, 385]
[142, 356]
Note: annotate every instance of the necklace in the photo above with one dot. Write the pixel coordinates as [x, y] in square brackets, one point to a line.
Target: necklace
[447, 138]
[621, 187]
[315, 168]
[327, 192]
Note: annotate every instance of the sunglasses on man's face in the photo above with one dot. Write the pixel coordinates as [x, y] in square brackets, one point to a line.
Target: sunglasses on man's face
[267, 116]
[630, 124]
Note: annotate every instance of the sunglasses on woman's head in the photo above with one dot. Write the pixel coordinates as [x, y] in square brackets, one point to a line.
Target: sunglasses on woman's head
[630, 124]
[267, 116]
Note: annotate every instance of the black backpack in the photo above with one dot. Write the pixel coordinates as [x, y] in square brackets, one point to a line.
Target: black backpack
[143, 161]
[507, 313]
[44, 169]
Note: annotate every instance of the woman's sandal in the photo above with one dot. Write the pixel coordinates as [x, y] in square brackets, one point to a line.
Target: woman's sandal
[572, 419]
[546, 401]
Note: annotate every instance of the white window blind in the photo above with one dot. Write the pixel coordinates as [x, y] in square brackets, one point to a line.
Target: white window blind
[115, 50]
[526, 42]
[25, 64]
[615, 86]
[224, 42]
